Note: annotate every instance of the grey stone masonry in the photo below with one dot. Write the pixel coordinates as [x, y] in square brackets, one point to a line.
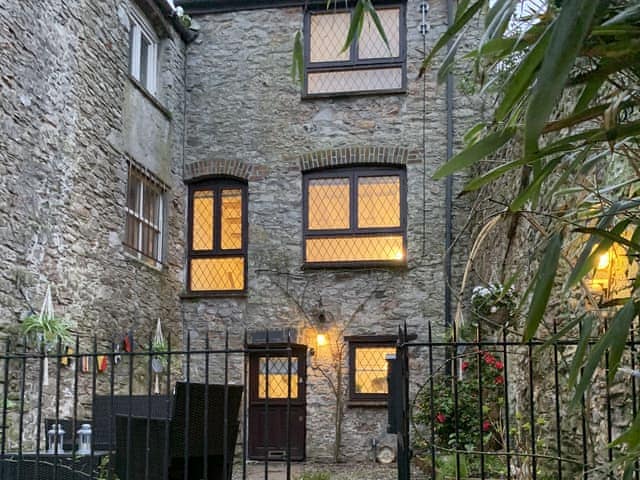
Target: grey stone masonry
[244, 111]
[71, 119]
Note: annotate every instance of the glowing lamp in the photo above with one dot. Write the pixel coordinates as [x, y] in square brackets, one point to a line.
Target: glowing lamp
[603, 261]
[321, 340]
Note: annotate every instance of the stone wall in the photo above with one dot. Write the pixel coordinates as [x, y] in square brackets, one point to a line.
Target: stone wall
[68, 132]
[243, 109]
[72, 119]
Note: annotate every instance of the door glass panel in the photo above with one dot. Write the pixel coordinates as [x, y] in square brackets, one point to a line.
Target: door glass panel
[278, 373]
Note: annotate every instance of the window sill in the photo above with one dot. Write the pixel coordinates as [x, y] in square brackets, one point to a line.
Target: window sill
[150, 96]
[354, 265]
[142, 260]
[367, 404]
[203, 295]
[359, 93]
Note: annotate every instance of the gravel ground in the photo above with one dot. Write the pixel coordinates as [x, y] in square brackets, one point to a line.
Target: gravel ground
[340, 471]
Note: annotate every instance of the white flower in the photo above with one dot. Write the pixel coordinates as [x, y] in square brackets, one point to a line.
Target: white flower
[494, 309]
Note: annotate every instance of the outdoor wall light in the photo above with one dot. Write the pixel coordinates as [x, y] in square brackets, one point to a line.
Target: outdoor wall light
[601, 276]
[321, 340]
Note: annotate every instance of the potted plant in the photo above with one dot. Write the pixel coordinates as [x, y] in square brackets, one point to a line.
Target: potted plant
[46, 331]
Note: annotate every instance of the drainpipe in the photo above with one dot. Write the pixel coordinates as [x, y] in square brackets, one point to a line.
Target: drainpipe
[448, 196]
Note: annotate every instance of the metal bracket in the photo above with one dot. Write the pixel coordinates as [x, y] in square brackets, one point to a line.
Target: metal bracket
[424, 9]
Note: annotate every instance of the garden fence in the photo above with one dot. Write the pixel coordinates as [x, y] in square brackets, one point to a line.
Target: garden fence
[501, 408]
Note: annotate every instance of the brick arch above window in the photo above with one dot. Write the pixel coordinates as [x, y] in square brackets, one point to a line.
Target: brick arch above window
[357, 155]
[217, 167]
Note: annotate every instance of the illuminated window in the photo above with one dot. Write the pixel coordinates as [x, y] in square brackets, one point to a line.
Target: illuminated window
[278, 368]
[143, 50]
[355, 215]
[217, 236]
[145, 216]
[369, 65]
[368, 367]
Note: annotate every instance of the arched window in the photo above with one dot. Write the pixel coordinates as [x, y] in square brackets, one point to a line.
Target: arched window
[355, 216]
[217, 236]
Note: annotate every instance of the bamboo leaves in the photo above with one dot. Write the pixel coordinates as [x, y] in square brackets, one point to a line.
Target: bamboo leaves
[543, 284]
[569, 31]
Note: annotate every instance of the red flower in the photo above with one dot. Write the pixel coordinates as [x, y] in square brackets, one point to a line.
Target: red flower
[464, 366]
[489, 359]
[441, 418]
[499, 380]
[486, 425]
[499, 365]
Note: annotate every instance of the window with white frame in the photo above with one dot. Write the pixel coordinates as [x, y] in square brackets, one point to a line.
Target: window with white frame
[143, 51]
[145, 215]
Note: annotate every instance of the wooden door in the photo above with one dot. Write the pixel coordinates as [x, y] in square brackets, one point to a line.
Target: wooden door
[268, 433]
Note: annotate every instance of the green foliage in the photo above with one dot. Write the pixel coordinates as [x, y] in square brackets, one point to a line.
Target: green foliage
[494, 297]
[453, 411]
[316, 476]
[102, 471]
[46, 331]
[566, 84]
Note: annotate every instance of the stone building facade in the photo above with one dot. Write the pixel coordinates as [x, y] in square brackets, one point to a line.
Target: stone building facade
[88, 140]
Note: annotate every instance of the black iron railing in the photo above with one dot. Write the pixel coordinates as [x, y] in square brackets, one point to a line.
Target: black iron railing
[169, 413]
[497, 407]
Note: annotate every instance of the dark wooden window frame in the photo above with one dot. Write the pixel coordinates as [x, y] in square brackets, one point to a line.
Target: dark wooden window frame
[147, 181]
[366, 341]
[353, 173]
[216, 184]
[354, 63]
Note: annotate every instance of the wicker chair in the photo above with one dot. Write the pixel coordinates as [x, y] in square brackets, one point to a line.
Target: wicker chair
[190, 432]
[191, 444]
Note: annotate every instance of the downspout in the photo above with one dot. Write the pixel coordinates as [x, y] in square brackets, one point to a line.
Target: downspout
[448, 195]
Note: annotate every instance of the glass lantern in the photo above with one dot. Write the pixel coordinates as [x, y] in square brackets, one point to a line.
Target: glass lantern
[55, 435]
[84, 439]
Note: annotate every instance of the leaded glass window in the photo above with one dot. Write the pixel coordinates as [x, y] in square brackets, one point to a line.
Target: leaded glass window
[355, 215]
[217, 236]
[368, 66]
[275, 372]
[368, 367]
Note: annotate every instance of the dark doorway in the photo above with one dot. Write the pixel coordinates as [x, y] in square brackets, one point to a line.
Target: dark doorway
[270, 403]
